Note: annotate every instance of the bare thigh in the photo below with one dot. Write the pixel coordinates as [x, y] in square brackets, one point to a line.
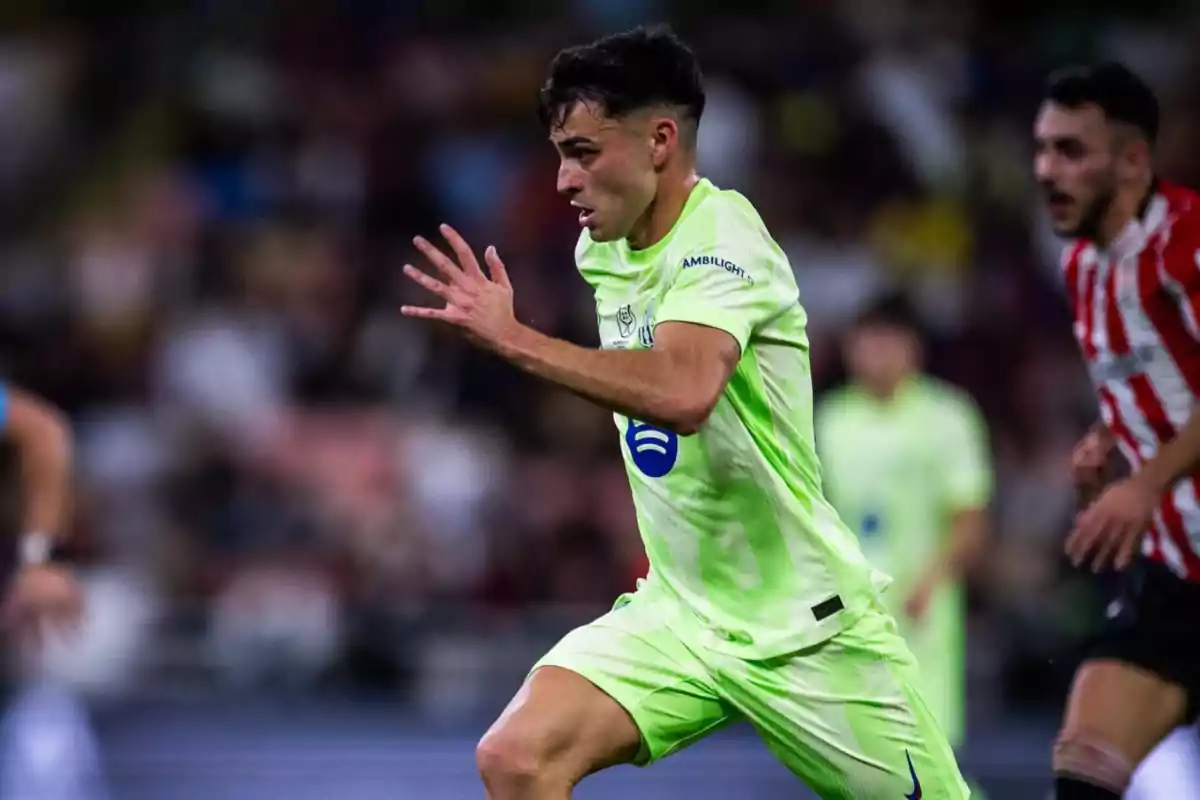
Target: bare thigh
[560, 724]
[1116, 709]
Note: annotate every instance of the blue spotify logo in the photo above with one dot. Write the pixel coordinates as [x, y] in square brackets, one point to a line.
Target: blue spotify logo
[653, 450]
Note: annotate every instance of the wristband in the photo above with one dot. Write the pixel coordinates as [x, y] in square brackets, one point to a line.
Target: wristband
[36, 548]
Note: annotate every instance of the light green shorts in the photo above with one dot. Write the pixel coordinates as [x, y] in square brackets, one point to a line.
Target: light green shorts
[937, 645]
[845, 716]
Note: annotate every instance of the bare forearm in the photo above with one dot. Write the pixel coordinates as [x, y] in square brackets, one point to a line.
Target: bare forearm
[43, 442]
[46, 470]
[965, 546]
[1175, 460]
[640, 384]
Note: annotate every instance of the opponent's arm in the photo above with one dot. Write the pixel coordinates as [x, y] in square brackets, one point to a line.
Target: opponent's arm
[1111, 528]
[1090, 461]
[675, 385]
[43, 441]
[1175, 460]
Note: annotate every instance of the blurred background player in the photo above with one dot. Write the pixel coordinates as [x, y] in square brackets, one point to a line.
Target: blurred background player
[1132, 278]
[758, 605]
[907, 465]
[46, 745]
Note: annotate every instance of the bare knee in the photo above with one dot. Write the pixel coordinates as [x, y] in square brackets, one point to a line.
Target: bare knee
[558, 729]
[1087, 756]
[511, 760]
[1116, 714]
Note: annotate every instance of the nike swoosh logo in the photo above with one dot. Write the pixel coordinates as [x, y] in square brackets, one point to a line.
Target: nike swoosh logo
[916, 792]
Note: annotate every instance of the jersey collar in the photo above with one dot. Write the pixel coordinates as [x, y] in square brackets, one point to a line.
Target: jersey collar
[1130, 241]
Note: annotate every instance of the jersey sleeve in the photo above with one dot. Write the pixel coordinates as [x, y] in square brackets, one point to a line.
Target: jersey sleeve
[966, 474]
[4, 401]
[736, 288]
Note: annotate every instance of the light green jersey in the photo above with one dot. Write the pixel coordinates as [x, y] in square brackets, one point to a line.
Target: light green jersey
[733, 518]
[898, 470]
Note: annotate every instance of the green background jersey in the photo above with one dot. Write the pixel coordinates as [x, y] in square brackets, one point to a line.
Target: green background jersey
[898, 471]
[733, 518]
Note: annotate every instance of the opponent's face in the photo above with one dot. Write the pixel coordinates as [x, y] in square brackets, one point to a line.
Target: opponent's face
[609, 167]
[879, 357]
[1075, 166]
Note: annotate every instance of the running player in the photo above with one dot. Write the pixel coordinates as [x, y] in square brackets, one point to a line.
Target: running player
[759, 603]
[907, 465]
[1132, 278]
[41, 597]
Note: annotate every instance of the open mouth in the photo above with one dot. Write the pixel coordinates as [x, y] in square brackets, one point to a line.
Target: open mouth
[586, 213]
[1058, 202]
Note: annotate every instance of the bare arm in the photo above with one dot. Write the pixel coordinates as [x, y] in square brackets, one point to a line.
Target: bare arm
[1090, 461]
[965, 545]
[43, 442]
[1175, 460]
[675, 385]
[965, 481]
[1103, 434]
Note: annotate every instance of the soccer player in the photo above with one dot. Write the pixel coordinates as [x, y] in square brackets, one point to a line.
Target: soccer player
[907, 466]
[1132, 279]
[758, 604]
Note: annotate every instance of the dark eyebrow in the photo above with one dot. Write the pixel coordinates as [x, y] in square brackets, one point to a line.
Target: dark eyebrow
[576, 141]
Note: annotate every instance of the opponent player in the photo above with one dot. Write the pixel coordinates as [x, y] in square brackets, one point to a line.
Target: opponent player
[759, 603]
[907, 465]
[1133, 282]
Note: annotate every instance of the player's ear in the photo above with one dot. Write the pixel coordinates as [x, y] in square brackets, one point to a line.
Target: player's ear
[1133, 159]
[664, 138]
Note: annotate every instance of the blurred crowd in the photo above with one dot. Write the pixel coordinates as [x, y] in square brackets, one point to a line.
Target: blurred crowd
[204, 208]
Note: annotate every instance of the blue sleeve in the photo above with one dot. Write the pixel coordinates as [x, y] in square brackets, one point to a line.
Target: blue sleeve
[3, 406]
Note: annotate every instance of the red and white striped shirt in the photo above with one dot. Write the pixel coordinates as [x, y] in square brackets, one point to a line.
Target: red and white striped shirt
[1137, 319]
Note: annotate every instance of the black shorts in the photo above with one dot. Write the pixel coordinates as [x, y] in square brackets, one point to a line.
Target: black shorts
[1153, 622]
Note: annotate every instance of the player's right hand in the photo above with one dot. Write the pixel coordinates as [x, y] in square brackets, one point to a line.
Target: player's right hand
[481, 306]
[1090, 461]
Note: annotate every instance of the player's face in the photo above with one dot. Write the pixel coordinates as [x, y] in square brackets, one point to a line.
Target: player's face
[1075, 167]
[879, 357]
[607, 169]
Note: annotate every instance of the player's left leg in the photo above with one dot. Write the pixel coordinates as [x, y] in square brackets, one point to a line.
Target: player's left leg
[847, 716]
[1139, 682]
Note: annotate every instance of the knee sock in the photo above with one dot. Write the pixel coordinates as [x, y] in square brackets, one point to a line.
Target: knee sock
[1068, 788]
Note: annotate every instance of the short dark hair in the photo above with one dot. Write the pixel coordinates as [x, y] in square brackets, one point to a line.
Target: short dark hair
[624, 72]
[890, 310]
[1119, 93]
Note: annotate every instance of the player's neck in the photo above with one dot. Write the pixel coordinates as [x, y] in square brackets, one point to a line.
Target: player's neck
[665, 210]
[885, 392]
[1126, 207]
